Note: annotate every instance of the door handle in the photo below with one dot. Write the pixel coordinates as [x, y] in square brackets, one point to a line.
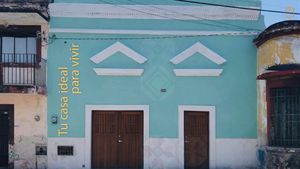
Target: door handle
[186, 141]
[120, 141]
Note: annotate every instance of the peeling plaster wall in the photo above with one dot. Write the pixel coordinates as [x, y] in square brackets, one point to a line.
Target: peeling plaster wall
[261, 113]
[27, 131]
[280, 50]
[45, 31]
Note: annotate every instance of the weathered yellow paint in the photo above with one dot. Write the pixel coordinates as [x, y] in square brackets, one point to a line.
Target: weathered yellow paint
[280, 50]
[262, 113]
[27, 132]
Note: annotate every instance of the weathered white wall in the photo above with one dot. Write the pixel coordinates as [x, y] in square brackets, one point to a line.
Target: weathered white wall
[164, 153]
[78, 160]
[27, 131]
[236, 153]
[13, 18]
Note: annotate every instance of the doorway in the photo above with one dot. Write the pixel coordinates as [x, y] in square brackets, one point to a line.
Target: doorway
[196, 140]
[117, 139]
[6, 132]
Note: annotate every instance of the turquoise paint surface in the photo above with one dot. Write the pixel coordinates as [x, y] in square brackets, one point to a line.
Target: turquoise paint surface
[144, 24]
[233, 93]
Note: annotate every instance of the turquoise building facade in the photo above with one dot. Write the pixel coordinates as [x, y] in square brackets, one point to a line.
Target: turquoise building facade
[162, 58]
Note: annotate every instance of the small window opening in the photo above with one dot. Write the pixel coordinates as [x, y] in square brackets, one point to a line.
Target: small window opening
[65, 150]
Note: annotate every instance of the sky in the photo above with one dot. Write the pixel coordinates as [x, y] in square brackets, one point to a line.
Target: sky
[281, 5]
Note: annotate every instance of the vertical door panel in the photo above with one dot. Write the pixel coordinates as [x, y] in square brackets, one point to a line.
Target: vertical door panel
[130, 140]
[4, 138]
[196, 138]
[104, 151]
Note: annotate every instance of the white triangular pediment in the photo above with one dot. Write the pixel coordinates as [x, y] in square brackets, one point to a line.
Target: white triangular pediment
[198, 48]
[118, 47]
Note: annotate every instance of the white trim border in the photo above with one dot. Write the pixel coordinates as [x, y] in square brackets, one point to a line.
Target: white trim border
[118, 72]
[118, 47]
[152, 32]
[197, 72]
[212, 131]
[162, 12]
[198, 48]
[88, 128]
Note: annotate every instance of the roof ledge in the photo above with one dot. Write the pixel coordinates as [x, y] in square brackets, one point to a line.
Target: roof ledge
[278, 29]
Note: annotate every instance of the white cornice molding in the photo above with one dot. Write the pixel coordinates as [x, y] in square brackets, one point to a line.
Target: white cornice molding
[118, 47]
[152, 32]
[118, 72]
[197, 72]
[198, 48]
[166, 12]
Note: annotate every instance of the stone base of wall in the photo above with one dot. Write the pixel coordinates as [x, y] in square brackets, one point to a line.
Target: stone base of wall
[279, 158]
[159, 153]
[23, 152]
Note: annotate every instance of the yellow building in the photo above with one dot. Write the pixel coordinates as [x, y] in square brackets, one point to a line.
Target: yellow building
[278, 74]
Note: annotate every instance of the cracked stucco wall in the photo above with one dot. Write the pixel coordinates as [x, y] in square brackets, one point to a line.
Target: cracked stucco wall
[280, 50]
[27, 131]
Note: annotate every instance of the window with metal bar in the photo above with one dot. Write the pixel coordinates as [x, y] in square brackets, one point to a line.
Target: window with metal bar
[18, 49]
[20, 57]
[18, 60]
[284, 116]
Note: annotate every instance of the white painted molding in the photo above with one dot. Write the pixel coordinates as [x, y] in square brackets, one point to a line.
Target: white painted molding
[198, 48]
[153, 32]
[118, 47]
[118, 72]
[198, 72]
[212, 131]
[88, 128]
[166, 12]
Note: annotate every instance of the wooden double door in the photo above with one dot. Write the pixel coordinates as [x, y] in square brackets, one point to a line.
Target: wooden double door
[117, 139]
[196, 140]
